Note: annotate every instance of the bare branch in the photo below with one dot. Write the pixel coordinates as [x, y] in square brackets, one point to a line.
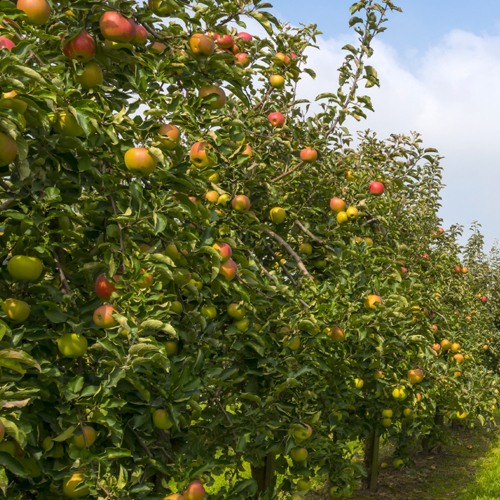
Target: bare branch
[289, 172]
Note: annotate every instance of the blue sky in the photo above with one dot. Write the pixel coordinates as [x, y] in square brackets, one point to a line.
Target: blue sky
[439, 67]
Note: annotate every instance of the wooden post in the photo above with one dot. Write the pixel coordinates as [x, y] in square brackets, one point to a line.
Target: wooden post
[370, 482]
[264, 475]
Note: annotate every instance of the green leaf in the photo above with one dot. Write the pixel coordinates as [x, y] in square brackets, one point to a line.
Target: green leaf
[11, 463]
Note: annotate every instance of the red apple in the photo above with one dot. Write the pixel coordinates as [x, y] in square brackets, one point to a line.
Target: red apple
[229, 269]
[140, 33]
[37, 11]
[224, 41]
[103, 317]
[281, 59]
[5, 43]
[195, 491]
[224, 249]
[241, 203]
[173, 133]
[376, 188]
[457, 269]
[243, 59]
[209, 90]
[199, 156]
[276, 119]
[308, 155]
[247, 151]
[337, 205]
[81, 48]
[104, 288]
[140, 161]
[116, 27]
[245, 36]
[157, 48]
[202, 45]
[484, 298]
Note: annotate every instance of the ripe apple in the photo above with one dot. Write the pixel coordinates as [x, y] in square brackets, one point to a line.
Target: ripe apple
[241, 203]
[337, 205]
[358, 383]
[104, 288]
[199, 156]
[140, 33]
[81, 47]
[175, 496]
[202, 45]
[160, 8]
[157, 48]
[195, 491]
[369, 242]
[210, 90]
[404, 270]
[79, 440]
[243, 59]
[73, 488]
[37, 11]
[8, 150]
[457, 269]
[415, 376]
[170, 348]
[445, 344]
[103, 317]
[224, 41]
[299, 454]
[67, 124]
[146, 279]
[342, 218]
[140, 161]
[71, 345]
[306, 248]
[455, 347]
[336, 334]
[247, 151]
[434, 328]
[407, 412]
[459, 358]
[16, 310]
[161, 420]
[229, 269]
[484, 298]
[465, 270]
[5, 43]
[276, 119]
[236, 311]
[245, 36]
[278, 215]
[212, 196]
[22, 267]
[378, 374]
[399, 393]
[277, 81]
[376, 188]
[91, 77]
[173, 134]
[352, 213]
[281, 59]
[224, 249]
[419, 397]
[371, 301]
[308, 155]
[116, 27]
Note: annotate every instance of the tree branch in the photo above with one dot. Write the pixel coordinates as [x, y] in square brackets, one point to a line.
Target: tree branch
[141, 444]
[314, 238]
[288, 173]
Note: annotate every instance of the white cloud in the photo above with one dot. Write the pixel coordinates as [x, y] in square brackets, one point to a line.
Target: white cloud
[449, 93]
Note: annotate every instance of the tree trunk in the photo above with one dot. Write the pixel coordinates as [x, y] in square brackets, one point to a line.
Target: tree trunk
[370, 482]
[264, 475]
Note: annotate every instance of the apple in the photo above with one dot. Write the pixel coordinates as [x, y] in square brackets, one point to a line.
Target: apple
[399, 393]
[175, 496]
[176, 307]
[485, 347]
[484, 298]
[459, 358]
[71, 345]
[103, 317]
[342, 218]
[236, 311]
[455, 347]
[376, 188]
[243, 59]
[202, 45]
[416, 376]
[91, 77]
[372, 300]
[457, 269]
[384, 465]
[209, 312]
[2, 431]
[146, 279]
[72, 486]
[8, 150]
[140, 33]
[171, 251]
[140, 161]
[212, 196]
[229, 269]
[465, 270]
[336, 334]
[210, 90]
[242, 324]
[337, 205]
[223, 199]
[241, 203]
[386, 422]
[434, 328]
[352, 213]
[419, 397]
[104, 288]
[22, 267]
[67, 124]
[398, 463]
[199, 156]
[278, 215]
[281, 59]
[245, 36]
[8, 102]
[436, 347]
[157, 48]
[116, 27]
[170, 348]
[161, 420]
[369, 242]
[16, 310]
[224, 250]
[276, 119]
[378, 374]
[81, 47]
[358, 383]
[79, 440]
[387, 413]
[277, 81]
[306, 248]
[195, 491]
[407, 412]
[456, 374]
[173, 134]
[445, 344]
[37, 11]
[248, 151]
[5, 43]
[299, 454]
[224, 41]
[308, 155]
[182, 276]
[305, 432]
[160, 8]
[349, 175]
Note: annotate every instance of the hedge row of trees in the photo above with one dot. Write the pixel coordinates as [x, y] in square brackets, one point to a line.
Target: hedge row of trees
[199, 274]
